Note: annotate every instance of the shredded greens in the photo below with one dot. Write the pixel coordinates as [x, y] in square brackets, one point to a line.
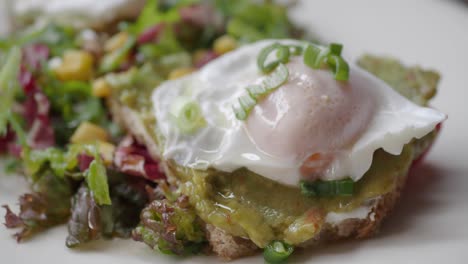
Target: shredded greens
[44, 98]
[8, 86]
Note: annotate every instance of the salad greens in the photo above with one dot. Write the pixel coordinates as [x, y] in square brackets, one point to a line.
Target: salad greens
[8, 86]
[55, 80]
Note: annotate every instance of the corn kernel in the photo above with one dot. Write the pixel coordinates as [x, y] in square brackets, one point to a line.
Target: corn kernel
[179, 72]
[115, 42]
[89, 133]
[101, 88]
[76, 65]
[106, 150]
[224, 44]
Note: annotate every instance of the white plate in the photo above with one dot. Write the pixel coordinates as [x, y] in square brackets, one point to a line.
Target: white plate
[429, 224]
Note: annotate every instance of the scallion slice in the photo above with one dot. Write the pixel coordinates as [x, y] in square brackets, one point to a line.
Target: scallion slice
[282, 56]
[339, 67]
[316, 57]
[276, 78]
[255, 92]
[187, 115]
[336, 49]
[321, 188]
[277, 252]
[295, 49]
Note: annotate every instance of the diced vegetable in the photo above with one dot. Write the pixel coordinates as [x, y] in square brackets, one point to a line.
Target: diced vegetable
[89, 133]
[77, 65]
[180, 72]
[106, 150]
[224, 44]
[116, 42]
[101, 88]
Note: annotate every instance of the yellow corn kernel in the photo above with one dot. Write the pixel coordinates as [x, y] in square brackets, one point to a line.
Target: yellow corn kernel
[76, 65]
[106, 150]
[224, 44]
[116, 42]
[101, 88]
[179, 72]
[89, 133]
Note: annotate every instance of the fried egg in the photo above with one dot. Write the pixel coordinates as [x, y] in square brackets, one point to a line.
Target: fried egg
[311, 127]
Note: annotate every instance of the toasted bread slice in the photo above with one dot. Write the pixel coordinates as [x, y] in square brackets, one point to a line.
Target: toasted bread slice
[229, 247]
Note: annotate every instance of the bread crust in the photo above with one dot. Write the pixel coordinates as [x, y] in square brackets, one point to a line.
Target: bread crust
[229, 247]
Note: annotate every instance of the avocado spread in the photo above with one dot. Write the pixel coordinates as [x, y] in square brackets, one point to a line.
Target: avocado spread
[248, 205]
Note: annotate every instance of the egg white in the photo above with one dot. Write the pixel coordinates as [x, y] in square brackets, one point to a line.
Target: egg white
[224, 142]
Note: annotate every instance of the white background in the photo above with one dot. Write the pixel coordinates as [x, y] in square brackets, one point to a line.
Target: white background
[430, 224]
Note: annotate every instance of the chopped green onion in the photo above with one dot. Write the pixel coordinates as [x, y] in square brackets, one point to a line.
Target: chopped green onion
[240, 113]
[276, 78]
[316, 57]
[277, 252]
[282, 56]
[339, 67]
[188, 115]
[255, 92]
[247, 102]
[321, 188]
[336, 49]
[295, 49]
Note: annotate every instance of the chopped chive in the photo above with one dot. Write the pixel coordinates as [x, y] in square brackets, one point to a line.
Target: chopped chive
[282, 56]
[256, 91]
[336, 49]
[321, 188]
[295, 49]
[240, 113]
[247, 102]
[188, 115]
[277, 252]
[276, 78]
[339, 67]
[316, 56]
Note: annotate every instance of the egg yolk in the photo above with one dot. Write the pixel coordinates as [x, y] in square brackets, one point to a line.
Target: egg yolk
[310, 118]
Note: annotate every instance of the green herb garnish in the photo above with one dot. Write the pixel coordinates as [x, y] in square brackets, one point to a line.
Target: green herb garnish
[187, 115]
[321, 188]
[317, 57]
[277, 252]
[256, 92]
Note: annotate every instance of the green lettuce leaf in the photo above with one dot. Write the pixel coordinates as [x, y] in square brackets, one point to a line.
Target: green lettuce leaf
[8, 86]
[96, 177]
